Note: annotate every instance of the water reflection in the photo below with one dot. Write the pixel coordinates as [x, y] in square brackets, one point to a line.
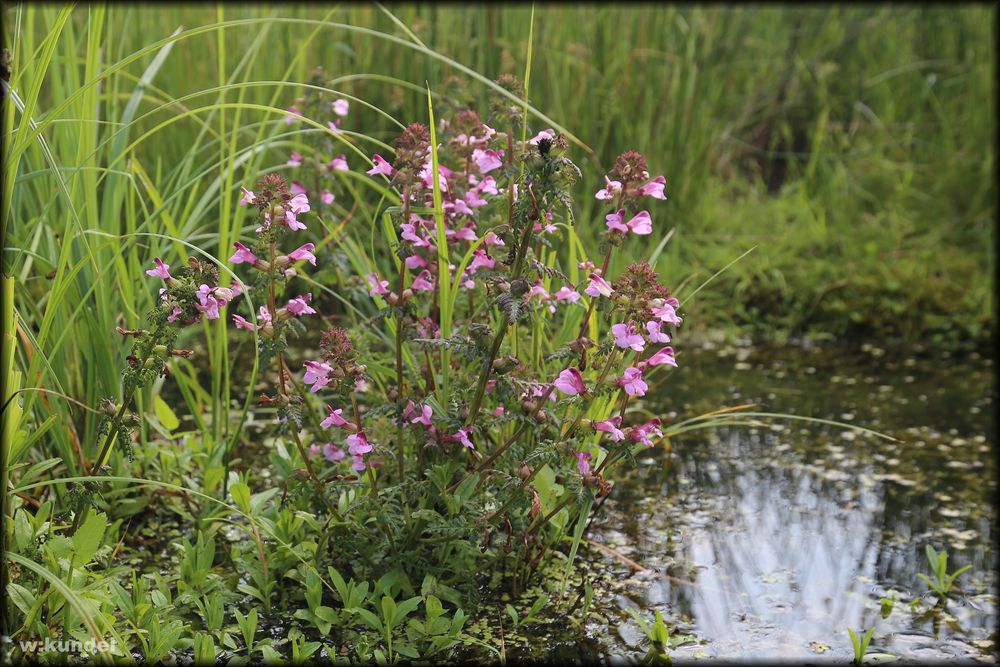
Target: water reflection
[769, 540]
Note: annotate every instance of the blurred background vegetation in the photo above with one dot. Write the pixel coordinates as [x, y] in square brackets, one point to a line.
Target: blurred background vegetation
[853, 145]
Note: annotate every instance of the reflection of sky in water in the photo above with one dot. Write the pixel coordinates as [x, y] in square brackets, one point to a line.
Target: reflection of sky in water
[778, 556]
[788, 544]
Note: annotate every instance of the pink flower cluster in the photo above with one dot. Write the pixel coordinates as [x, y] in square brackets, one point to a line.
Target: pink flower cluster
[297, 306]
[208, 299]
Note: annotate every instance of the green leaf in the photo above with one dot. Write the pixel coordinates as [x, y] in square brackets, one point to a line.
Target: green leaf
[371, 620]
[512, 613]
[404, 649]
[241, 496]
[165, 414]
[87, 539]
[406, 607]
[21, 597]
[389, 611]
[433, 607]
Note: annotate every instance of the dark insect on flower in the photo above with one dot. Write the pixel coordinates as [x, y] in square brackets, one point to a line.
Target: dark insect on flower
[544, 145]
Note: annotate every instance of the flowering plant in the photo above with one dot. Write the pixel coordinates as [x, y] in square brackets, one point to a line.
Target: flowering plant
[473, 408]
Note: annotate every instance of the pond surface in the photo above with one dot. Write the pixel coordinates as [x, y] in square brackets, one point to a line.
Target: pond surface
[771, 541]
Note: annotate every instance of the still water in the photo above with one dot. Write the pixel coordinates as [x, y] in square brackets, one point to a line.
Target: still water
[770, 541]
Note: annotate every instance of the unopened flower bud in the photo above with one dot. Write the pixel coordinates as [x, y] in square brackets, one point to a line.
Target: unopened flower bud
[541, 416]
[528, 405]
[524, 471]
[290, 273]
[161, 351]
[520, 287]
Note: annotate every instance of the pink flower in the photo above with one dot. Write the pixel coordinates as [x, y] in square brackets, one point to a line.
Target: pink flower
[248, 196]
[654, 188]
[487, 160]
[544, 134]
[381, 167]
[426, 175]
[334, 126]
[341, 107]
[598, 286]
[317, 374]
[414, 262]
[663, 356]
[466, 233]
[295, 160]
[174, 314]
[614, 221]
[667, 312]
[424, 417]
[300, 305]
[297, 188]
[488, 186]
[314, 450]
[570, 382]
[612, 188]
[567, 293]
[462, 436]
[642, 432]
[473, 200]
[377, 286]
[498, 412]
[326, 196]
[626, 336]
[339, 163]
[224, 294]
[409, 233]
[291, 119]
[334, 418]
[583, 462]
[208, 304]
[298, 204]
[243, 255]
[493, 239]
[303, 252]
[632, 382]
[242, 323]
[480, 260]
[357, 444]
[422, 282]
[610, 426]
[539, 290]
[641, 224]
[264, 315]
[161, 270]
[655, 335]
[332, 452]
